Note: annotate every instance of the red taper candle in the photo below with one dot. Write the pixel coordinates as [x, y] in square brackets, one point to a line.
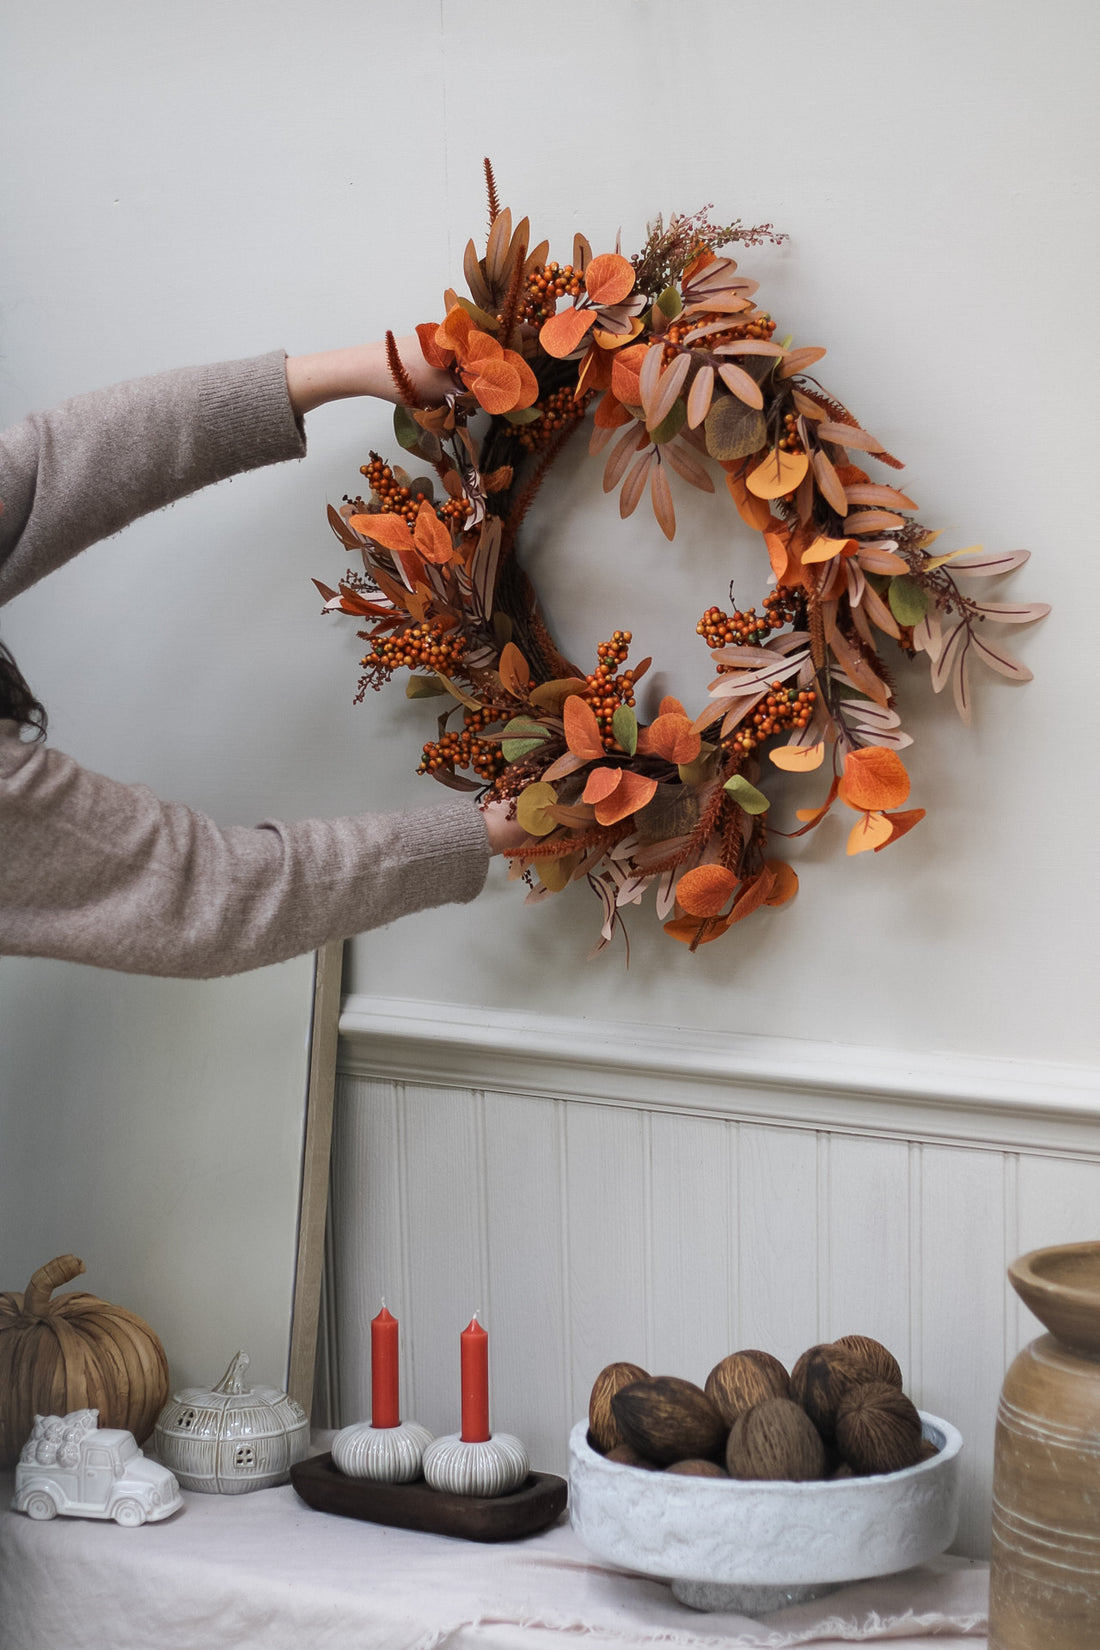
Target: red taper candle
[385, 1410]
[475, 1383]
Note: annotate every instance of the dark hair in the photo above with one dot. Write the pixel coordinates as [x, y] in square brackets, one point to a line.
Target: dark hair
[16, 699]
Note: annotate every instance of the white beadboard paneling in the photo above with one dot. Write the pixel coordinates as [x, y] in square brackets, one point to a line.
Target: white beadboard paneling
[777, 1245]
[442, 1166]
[1057, 1203]
[692, 1221]
[370, 1226]
[529, 1341]
[866, 1280]
[607, 1239]
[962, 1314]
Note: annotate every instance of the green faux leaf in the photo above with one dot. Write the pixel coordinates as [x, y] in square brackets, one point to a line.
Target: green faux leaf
[522, 415]
[694, 773]
[502, 627]
[672, 423]
[521, 736]
[908, 602]
[670, 303]
[406, 429]
[749, 798]
[624, 725]
[485, 321]
[424, 687]
[732, 429]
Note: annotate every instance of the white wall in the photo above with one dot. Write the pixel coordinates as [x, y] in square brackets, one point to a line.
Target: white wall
[190, 181]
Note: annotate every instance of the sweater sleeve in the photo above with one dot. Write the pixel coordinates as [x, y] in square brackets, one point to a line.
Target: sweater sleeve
[94, 871]
[83, 471]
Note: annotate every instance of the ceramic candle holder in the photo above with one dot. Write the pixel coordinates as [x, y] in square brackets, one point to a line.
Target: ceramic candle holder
[388, 1455]
[497, 1466]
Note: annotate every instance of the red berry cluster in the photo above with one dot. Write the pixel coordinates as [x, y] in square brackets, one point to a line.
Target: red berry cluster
[748, 629]
[605, 688]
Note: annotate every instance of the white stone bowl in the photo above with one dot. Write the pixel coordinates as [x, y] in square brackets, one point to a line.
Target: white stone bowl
[751, 1546]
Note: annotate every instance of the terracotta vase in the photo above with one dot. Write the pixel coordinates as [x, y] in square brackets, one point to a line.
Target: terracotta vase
[1044, 1590]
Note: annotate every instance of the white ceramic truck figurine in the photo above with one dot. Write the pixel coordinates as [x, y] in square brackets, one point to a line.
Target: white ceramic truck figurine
[71, 1465]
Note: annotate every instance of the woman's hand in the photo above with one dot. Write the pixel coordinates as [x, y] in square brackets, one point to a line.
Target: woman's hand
[336, 374]
[504, 831]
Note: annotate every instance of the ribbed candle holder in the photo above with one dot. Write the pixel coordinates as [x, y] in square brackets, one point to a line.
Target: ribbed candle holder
[388, 1455]
[494, 1467]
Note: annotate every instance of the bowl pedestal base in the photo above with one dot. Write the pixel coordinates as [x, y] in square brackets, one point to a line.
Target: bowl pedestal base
[739, 1599]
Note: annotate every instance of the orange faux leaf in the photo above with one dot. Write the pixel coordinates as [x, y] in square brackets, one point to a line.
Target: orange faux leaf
[561, 334]
[601, 782]
[624, 374]
[610, 412]
[900, 823]
[824, 549]
[670, 706]
[632, 792]
[814, 816]
[871, 830]
[582, 731]
[694, 933]
[671, 736]
[798, 758]
[432, 539]
[515, 672]
[874, 778]
[608, 278]
[528, 383]
[754, 892]
[785, 886]
[427, 332]
[754, 512]
[704, 891]
[389, 530]
[495, 383]
[777, 474]
[454, 330]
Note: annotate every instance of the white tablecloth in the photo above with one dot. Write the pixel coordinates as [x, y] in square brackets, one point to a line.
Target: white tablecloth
[265, 1572]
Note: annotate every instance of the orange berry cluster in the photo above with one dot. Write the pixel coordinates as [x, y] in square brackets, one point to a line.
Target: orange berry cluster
[783, 709]
[393, 498]
[757, 325]
[789, 441]
[457, 748]
[749, 629]
[545, 285]
[558, 410]
[605, 690]
[427, 646]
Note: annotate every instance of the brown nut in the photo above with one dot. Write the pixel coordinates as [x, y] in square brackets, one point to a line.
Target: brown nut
[667, 1419]
[776, 1439]
[602, 1425]
[878, 1358]
[698, 1469]
[878, 1428]
[627, 1456]
[821, 1379]
[744, 1379]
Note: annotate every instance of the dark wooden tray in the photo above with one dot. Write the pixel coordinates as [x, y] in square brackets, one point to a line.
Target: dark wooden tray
[533, 1507]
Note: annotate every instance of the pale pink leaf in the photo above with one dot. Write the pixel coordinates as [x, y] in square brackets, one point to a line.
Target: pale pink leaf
[700, 396]
[621, 455]
[634, 485]
[985, 564]
[746, 389]
[1013, 612]
[999, 659]
[686, 465]
[941, 665]
[671, 383]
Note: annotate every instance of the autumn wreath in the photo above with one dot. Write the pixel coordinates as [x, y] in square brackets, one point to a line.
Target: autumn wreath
[686, 368]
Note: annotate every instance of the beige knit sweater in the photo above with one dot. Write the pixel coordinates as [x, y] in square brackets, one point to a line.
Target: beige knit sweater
[94, 871]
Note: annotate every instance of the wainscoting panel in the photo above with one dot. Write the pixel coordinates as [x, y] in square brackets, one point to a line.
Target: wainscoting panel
[589, 1218]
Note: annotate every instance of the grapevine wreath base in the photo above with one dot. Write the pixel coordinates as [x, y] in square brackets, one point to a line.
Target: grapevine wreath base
[678, 365]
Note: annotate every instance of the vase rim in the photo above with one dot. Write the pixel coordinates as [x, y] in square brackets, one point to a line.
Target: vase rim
[1061, 1285]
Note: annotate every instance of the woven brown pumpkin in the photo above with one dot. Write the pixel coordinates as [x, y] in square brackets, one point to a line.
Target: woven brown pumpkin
[75, 1352]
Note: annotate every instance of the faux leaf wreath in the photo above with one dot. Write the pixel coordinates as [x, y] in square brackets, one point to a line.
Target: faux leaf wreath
[682, 366]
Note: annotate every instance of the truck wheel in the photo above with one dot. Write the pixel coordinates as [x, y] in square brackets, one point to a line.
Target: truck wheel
[40, 1505]
[129, 1513]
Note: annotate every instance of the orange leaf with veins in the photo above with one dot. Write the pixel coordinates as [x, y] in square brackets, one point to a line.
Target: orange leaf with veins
[608, 278]
[601, 783]
[704, 891]
[874, 778]
[427, 332]
[624, 374]
[432, 538]
[632, 792]
[582, 731]
[561, 334]
[900, 823]
[871, 830]
[785, 886]
[389, 530]
[670, 735]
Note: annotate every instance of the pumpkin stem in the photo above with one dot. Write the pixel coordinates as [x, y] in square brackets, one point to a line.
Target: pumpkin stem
[233, 1379]
[36, 1300]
